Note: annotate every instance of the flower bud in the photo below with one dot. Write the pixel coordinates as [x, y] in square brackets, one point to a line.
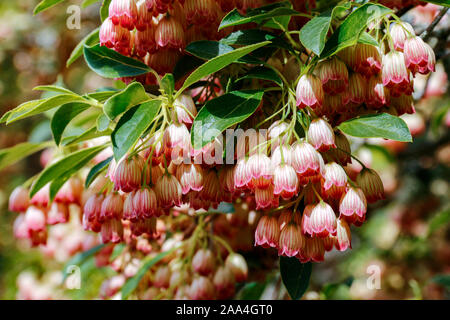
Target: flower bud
[168, 191]
[112, 207]
[42, 197]
[419, 56]
[285, 181]
[368, 60]
[144, 15]
[58, 213]
[321, 135]
[306, 161]
[115, 37]
[201, 287]
[128, 173]
[19, 200]
[343, 239]
[200, 12]
[399, 33]
[144, 42]
[123, 12]
[357, 90]
[265, 198]
[267, 232]
[309, 92]
[242, 174]
[334, 76]
[395, 75]
[281, 155]
[353, 205]
[291, 240]
[162, 277]
[211, 187]
[170, 34]
[185, 109]
[238, 266]
[203, 262]
[145, 203]
[370, 183]
[277, 133]
[112, 231]
[190, 177]
[35, 219]
[323, 220]
[378, 95]
[70, 192]
[91, 213]
[128, 207]
[335, 180]
[177, 142]
[314, 250]
[261, 170]
[224, 283]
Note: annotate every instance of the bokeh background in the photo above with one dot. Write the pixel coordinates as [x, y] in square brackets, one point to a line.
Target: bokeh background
[405, 239]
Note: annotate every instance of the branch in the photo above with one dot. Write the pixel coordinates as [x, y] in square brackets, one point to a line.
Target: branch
[426, 34]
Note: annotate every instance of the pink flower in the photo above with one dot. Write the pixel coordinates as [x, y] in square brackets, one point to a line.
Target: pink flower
[306, 220]
[201, 287]
[370, 183]
[203, 262]
[399, 33]
[321, 135]
[128, 173]
[42, 197]
[419, 56]
[112, 231]
[144, 42]
[112, 207]
[145, 203]
[185, 109]
[19, 200]
[323, 220]
[200, 12]
[306, 161]
[91, 213]
[58, 213]
[395, 76]
[285, 181]
[334, 76]
[123, 12]
[168, 191]
[309, 92]
[291, 240]
[267, 232]
[343, 239]
[224, 282]
[211, 187]
[261, 170]
[378, 95]
[334, 180]
[190, 177]
[353, 205]
[35, 219]
[357, 90]
[237, 264]
[368, 60]
[314, 250]
[265, 198]
[170, 34]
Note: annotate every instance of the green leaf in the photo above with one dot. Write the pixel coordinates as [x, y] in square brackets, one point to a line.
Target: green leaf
[295, 276]
[131, 96]
[444, 3]
[103, 123]
[350, 30]
[168, 84]
[439, 220]
[368, 39]
[54, 89]
[186, 64]
[133, 282]
[20, 151]
[45, 4]
[252, 291]
[262, 73]
[234, 18]
[443, 280]
[96, 171]
[80, 258]
[102, 96]
[90, 40]
[35, 107]
[381, 125]
[111, 64]
[252, 36]
[314, 32]
[91, 133]
[206, 49]
[223, 112]
[219, 63]
[65, 167]
[87, 3]
[104, 9]
[132, 125]
[63, 116]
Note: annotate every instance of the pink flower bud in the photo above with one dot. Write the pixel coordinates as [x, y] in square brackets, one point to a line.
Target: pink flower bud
[170, 34]
[128, 173]
[224, 283]
[306, 220]
[265, 198]
[368, 60]
[201, 287]
[419, 57]
[91, 213]
[285, 181]
[242, 174]
[309, 92]
[277, 133]
[395, 75]
[185, 109]
[343, 239]
[35, 219]
[370, 183]
[112, 231]
[334, 76]
[112, 207]
[200, 12]
[177, 142]
[70, 192]
[190, 177]
[334, 180]
[291, 240]
[306, 161]
[58, 213]
[261, 170]
[145, 203]
[378, 95]
[144, 42]
[353, 205]
[124, 12]
[323, 220]
[19, 200]
[168, 191]
[237, 264]
[321, 135]
[128, 207]
[267, 232]
[281, 155]
[20, 228]
[115, 37]
[399, 33]
[42, 197]
[162, 277]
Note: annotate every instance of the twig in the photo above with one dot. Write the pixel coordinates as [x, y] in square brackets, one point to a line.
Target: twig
[426, 34]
